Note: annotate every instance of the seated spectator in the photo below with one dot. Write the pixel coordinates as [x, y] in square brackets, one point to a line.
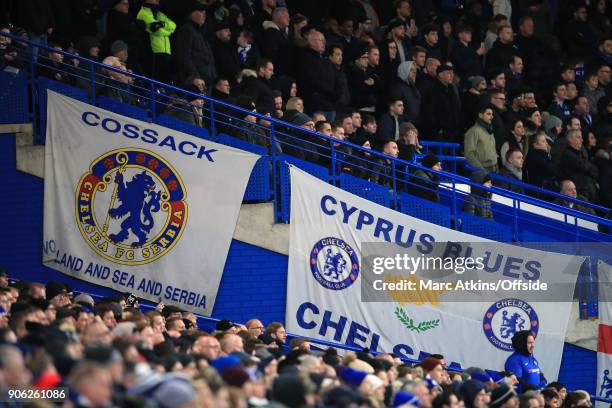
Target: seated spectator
[8, 55]
[381, 171]
[408, 142]
[118, 83]
[187, 108]
[592, 91]
[568, 188]
[479, 142]
[424, 184]
[558, 106]
[532, 122]
[575, 165]
[293, 106]
[404, 88]
[538, 164]
[516, 140]
[51, 65]
[278, 104]
[343, 153]
[512, 169]
[366, 132]
[478, 203]
[222, 89]
[553, 127]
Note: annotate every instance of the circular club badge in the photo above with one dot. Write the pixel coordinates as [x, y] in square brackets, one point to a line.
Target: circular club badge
[334, 263]
[506, 317]
[130, 206]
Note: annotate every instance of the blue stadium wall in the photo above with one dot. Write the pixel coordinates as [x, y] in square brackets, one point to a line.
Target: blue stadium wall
[253, 283]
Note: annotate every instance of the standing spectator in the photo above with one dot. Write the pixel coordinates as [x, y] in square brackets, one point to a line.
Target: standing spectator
[498, 21]
[120, 25]
[248, 52]
[441, 108]
[470, 101]
[497, 78]
[36, 17]
[575, 165]
[408, 143]
[516, 140]
[603, 160]
[363, 82]
[226, 58]
[553, 127]
[429, 77]
[351, 46]
[582, 110]
[194, 55]
[538, 165]
[276, 42]
[389, 123]
[336, 58]
[580, 40]
[430, 41]
[260, 88]
[317, 77]
[478, 203]
[405, 89]
[558, 106]
[532, 122]
[466, 60]
[592, 91]
[512, 169]
[367, 131]
[263, 13]
[479, 143]
[515, 105]
[498, 104]
[514, 74]
[382, 170]
[397, 33]
[503, 49]
[160, 28]
[221, 89]
[523, 364]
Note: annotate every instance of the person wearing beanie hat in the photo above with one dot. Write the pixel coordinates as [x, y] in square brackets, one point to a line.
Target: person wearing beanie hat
[478, 203]
[224, 362]
[353, 377]
[403, 399]
[175, 393]
[503, 397]
[119, 49]
[434, 368]
[224, 49]
[474, 394]
[424, 183]
[57, 294]
[522, 363]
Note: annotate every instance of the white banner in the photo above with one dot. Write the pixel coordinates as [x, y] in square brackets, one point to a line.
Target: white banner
[324, 292]
[138, 207]
[604, 344]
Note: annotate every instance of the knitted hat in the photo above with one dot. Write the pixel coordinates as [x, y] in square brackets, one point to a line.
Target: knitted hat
[174, 393]
[501, 395]
[430, 363]
[225, 362]
[235, 376]
[118, 46]
[353, 377]
[84, 299]
[55, 288]
[429, 161]
[405, 398]
[299, 119]
[551, 122]
[475, 80]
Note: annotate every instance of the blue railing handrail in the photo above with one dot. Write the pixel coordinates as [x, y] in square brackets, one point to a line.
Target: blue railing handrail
[395, 162]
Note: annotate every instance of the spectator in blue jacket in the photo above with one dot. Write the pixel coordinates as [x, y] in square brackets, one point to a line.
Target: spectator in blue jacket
[523, 364]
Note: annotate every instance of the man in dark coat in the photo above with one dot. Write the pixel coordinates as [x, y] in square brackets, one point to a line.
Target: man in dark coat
[260, 88]
[538, 165]
[121, 26]
[466, 60]
[389, 123]
[441, 109]
[503, 49]
[424, 184]
[405, 89]
[193, 52]
[317, 76]
[575, 165]
[226, 55]
[276, 43]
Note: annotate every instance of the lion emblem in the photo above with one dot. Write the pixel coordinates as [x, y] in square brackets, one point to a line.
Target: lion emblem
[138, 200]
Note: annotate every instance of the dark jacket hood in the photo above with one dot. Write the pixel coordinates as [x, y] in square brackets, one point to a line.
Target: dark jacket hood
[519, 342]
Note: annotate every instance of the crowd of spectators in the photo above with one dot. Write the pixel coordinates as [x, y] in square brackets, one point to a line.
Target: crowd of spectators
[523, 85]
[110, 353]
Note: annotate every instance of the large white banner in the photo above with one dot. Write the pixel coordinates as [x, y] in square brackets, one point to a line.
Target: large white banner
[329, 227]
[138, 207]
[604, 344]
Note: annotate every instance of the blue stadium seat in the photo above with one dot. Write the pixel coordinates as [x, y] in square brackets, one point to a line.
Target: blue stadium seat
[285, 180]
[365, 189]
[426, 210]
[123, 108]
[481, 227]
[13, 98]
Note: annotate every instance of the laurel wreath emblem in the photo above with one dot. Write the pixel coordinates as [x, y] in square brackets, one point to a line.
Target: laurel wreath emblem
[409, 323]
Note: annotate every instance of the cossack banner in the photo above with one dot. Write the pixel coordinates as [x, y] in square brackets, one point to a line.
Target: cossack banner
[138, 207]
[340, 289]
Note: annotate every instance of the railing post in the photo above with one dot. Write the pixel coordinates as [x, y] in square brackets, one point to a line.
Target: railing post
[274, 170]
[34, 93]
[153, 101]
[454, 204]
[515, 219]
[394, 180]
[92, 84]
[213, 125]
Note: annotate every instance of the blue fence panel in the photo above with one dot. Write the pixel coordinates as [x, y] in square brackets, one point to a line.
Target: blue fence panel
[365, 189]
[285, 180]
[14, 98]
[124, 109]
[181, 126]
[426, 210]
[45, 84]
[471, 224]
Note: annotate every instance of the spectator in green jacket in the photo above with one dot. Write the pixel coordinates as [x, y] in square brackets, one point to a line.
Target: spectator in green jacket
[479, 142]
[160, 28]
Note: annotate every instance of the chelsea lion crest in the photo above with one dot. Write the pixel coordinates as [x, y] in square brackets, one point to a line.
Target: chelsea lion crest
[334, 263]
[506, 317]
[130, 206]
